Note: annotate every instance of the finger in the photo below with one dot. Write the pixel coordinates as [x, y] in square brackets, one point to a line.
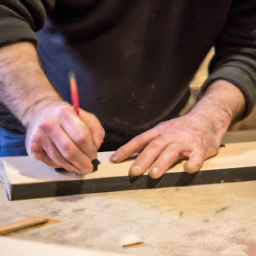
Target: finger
[166, 159]
[195, 162]
[68, 150]
[38, 153]
[42, 143]
[133, 146]
[94, 125]
[54, 154]
[78, 132]
[147, 157]
[35, 150]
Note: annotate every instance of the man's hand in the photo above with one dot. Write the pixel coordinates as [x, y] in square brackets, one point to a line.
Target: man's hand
[56, 135]
[180, 138]
[195, 136]
[60, 138]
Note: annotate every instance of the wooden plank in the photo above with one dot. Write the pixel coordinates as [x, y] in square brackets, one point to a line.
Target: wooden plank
[25, 178]
[22, 224]
[12, 246]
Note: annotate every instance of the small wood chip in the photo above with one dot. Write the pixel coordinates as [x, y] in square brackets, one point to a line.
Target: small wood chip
[131, 241]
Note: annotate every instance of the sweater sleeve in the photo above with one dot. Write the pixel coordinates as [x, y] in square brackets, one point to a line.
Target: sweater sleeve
[235, 57]
[19, 19]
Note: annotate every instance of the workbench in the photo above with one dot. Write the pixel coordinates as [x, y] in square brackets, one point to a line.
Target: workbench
[197, 220]
[205, 220]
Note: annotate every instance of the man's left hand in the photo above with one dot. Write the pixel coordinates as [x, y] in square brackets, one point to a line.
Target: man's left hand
[195, 136]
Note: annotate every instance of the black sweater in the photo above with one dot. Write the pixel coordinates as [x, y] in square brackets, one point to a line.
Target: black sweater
[134, 59]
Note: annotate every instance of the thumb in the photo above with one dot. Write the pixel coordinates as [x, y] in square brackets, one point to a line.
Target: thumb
[95, 127]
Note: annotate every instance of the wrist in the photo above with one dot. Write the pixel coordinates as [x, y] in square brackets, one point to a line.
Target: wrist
[25, 89]
[227, 97]
[221, 104]
[39, 107]
[216, 115]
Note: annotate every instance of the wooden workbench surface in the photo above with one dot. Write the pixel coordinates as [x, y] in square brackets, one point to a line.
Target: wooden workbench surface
[198, 220]
[207, 220]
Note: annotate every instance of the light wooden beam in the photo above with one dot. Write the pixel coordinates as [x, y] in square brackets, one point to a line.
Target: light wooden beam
[25, 178]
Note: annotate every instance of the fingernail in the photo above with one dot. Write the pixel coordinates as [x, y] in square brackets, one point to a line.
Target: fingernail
[78, 174]
[134, 171]
[189, 168]
[154, 172]
[113, 158]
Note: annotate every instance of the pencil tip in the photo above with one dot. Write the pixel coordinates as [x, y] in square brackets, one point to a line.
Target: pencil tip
[95, 164]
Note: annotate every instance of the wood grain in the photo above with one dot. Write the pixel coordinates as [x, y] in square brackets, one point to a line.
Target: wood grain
[26, 178]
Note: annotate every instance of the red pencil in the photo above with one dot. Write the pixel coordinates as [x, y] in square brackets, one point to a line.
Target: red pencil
[75, 102]
[74, 92]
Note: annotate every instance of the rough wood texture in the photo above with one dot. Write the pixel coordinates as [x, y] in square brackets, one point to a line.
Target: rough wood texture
[25, 178]
[206, 220]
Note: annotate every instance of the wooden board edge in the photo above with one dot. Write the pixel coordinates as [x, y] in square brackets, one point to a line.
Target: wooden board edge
[175, 179]
[4, 180]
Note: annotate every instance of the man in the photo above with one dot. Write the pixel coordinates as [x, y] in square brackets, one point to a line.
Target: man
[133, 61]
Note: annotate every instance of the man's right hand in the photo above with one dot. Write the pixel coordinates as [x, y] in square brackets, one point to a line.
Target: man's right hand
[60, 138]
[56, 135]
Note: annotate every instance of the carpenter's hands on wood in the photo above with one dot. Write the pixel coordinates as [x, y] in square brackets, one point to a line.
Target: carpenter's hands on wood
[181, 138]
[195, 136]
[60, 138]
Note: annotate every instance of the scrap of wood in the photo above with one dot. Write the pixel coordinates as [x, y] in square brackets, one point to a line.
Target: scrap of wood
[14, 246]
[25, 178]
[22, 224]
[131, 241]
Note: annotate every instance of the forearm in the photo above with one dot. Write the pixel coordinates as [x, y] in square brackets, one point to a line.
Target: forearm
[55, 133]
[23, 84]
[222, 104]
